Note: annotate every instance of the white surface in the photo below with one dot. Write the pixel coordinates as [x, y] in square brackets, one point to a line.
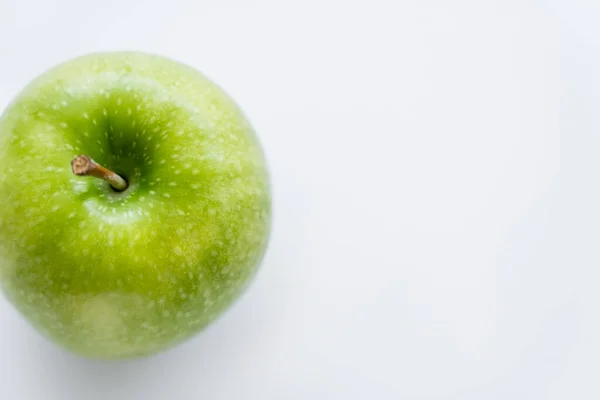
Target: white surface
[436, 197]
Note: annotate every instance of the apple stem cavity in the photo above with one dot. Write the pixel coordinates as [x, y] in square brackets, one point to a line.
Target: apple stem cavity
[82, 165]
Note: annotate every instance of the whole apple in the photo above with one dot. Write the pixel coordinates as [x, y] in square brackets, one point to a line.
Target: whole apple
[135, 203]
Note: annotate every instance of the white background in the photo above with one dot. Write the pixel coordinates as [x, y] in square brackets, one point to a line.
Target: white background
[435, 169]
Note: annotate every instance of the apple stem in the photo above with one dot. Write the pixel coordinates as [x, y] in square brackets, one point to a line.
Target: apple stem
[83, 165]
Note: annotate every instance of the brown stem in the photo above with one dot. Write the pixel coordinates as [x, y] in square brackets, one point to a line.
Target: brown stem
[83, 165]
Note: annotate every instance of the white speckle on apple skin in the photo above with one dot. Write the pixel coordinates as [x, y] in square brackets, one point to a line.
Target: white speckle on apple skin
[113, 275]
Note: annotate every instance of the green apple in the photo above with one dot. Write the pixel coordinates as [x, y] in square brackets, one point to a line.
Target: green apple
[115, 272]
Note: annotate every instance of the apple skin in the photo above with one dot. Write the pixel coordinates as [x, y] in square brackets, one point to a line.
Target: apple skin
[113, 275]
